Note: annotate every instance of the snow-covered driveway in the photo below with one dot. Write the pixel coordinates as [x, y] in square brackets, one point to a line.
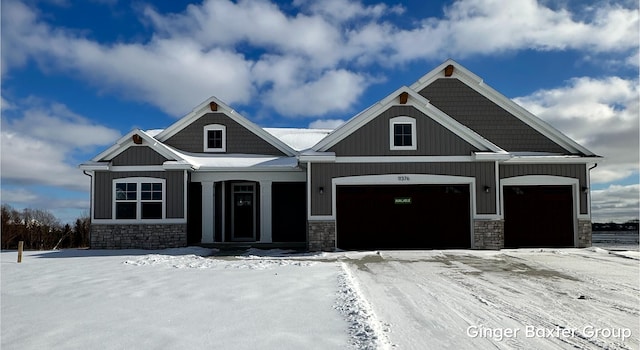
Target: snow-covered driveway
[177, 299]
[522, 299]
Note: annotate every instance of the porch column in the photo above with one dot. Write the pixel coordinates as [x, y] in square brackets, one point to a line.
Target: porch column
[265, 212]
[208, 212]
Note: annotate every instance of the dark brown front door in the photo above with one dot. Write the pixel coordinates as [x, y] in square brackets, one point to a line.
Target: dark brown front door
[538, 216]
[403, 217]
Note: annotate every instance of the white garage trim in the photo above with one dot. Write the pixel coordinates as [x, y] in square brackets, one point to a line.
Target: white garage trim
[548, 180]
[406, 179]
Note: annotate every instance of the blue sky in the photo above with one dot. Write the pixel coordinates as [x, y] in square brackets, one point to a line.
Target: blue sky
[76, 75]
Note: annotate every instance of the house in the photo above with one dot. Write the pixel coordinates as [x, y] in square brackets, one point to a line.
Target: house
[447, 162]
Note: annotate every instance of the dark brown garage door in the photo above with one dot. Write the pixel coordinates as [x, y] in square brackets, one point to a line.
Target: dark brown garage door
[538, 216]
[403, 217]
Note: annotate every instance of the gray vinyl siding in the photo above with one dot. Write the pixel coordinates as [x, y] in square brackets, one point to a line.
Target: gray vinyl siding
[576, 171]
[322, 173]
[238, 138]
[432, 138]
[486, 118]
[138, 155]
[104, 191]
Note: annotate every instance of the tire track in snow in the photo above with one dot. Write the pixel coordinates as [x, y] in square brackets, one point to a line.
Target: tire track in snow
[365, 330]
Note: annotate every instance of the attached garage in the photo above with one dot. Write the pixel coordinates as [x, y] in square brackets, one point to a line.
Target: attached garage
[538, 216]
[403, 216]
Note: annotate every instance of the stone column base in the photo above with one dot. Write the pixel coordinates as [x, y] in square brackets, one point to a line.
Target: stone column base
[322, 236]
[584, 233]
[488, 234]
[138, 236]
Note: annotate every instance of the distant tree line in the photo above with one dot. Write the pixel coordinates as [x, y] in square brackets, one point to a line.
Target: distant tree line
[39, 230]
[631, 225]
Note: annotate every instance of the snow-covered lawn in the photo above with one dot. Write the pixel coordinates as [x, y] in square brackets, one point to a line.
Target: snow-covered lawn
[179, 298]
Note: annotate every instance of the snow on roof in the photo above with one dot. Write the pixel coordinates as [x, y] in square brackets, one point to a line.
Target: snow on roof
[296, 138]
[226, 160]
[299, 139]
[153, 132]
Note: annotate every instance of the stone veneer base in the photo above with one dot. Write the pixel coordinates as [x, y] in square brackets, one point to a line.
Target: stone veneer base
[138, 236]
[322, 236]
[488, 234]
[584, 233]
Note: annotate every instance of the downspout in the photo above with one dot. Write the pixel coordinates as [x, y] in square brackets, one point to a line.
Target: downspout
[90, 204]
[589, 187]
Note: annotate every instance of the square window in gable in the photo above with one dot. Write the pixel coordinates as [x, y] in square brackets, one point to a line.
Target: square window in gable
[402, 133]
[215, 138]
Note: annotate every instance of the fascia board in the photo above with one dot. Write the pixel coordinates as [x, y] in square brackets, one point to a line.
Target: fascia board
[476, 83]
[126, 141]
[203, 109]
[359, 120]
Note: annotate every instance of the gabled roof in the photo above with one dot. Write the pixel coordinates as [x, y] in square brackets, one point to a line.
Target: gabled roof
[127, 141]
[476, 83]
[420, 103]
[205, 107]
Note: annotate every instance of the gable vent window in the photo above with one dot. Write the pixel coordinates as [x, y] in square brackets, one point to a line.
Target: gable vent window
[402, 133]
[139, 198]
[215, 138]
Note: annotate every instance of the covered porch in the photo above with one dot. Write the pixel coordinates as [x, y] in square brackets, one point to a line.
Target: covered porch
[247, 208]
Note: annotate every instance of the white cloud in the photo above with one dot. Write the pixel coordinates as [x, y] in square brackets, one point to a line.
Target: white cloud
[225, 48]
[601, 114]
[492, 26]
[334, 91]
[330, 124]
[37, 145]
[616, 203]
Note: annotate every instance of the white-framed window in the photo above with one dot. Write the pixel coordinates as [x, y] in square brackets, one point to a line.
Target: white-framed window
[139, 198]
[215, 138]
[402, 133]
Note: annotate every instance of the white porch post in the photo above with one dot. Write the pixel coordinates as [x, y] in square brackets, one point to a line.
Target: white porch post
[265, 212]
[208, 212]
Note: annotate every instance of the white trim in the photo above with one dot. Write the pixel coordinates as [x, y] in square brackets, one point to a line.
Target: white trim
[548, 180]
[139, 222]
[552, 159]
[223, 206]
[404, 159]
[318, 157]
[497, 190]
[308, 192]
[233, 205]
[255, 176]
[120, 168]
[205, 138]
[266, 211]
[208, 212]
[138, 181]
[126, 141]
[225, 109]
[321, 218]
[409, 179]
[418, 102]
[400, 120]
[476, 83]
[402, 179]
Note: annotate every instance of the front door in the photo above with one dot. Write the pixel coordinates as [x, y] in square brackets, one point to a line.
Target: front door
[243, 212]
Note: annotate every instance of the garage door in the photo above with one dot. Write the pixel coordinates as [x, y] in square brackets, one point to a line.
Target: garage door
[538, 216]
[403, 217]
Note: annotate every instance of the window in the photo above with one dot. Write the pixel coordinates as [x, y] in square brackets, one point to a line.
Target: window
[215, 138]
[139, 198]
[402, 133]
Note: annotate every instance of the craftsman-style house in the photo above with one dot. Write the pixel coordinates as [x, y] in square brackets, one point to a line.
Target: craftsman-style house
[445, 163]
